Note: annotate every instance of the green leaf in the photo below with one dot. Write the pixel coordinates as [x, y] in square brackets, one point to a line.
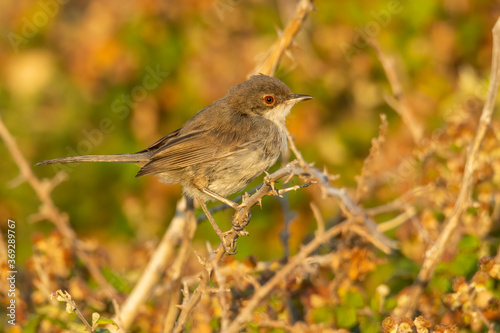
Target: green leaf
[469, 243]
[345, 317]
[106, 321]
[323, 315]
[352, 299]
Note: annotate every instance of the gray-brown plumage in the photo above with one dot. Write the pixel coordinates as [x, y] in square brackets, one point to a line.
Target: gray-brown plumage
[223, 147]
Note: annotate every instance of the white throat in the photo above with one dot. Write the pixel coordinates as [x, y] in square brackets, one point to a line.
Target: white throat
[278, 116]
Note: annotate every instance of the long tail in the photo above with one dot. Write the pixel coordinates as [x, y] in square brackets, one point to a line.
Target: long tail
[121, 158]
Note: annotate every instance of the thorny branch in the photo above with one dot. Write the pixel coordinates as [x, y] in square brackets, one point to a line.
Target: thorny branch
[177, 268]
[179, 228]
[270, 62]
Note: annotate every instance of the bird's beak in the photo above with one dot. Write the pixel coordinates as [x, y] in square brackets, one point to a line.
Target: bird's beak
[295, 98]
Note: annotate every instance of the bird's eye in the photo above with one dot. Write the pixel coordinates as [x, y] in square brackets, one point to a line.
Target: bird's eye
[269, 99]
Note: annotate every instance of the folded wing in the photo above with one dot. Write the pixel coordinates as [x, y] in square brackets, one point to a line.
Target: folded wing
[202, 146]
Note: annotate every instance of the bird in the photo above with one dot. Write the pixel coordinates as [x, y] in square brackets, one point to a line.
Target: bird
[222, 148]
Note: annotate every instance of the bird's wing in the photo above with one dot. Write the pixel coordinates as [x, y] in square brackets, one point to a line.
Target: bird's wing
[158, 144]
[195, 147]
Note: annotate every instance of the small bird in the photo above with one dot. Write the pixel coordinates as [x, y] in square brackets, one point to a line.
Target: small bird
[222, 148]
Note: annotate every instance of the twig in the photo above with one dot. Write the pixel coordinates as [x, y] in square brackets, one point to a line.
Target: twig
[385, 243]
[398, 220]
[398, 100]
[43, 284]
[288, 216]
[401, 202]
[179, 264]
[118, 312]
[269, 64]
[203, 217]
[293, 148]
[471, 295]
[318, 217]
[221, 279]
[49, 210]
[162, 256]
[435, 253]
[281, 191]
[369, 161]
[64, 296]
[190, 302]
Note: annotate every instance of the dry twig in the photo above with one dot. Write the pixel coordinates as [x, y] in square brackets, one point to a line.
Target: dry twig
[398, 100]
[269, 64]
[189, 229]
[369, 161]
[163, 256]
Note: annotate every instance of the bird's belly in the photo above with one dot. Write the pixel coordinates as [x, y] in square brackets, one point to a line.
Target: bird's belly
[234, 174]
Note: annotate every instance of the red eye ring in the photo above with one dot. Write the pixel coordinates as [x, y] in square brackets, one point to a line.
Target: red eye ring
[269, 100]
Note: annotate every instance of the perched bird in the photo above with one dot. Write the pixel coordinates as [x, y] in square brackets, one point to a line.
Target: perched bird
[220, 149]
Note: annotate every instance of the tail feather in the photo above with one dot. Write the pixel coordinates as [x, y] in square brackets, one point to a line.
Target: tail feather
[121, 158]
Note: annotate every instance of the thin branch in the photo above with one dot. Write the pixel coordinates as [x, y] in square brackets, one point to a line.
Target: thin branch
[64, 296]
[385, 244]
[163, 255]
[189, 303]
[398, 100]
[49, 210]
[269, 64]
[288, 216]
[398, 220]
[435, 253]
[179, 264]
[319, 218]
[281, 191]
[375, 149]
[221, 279]
[401, 202]
[294, 149]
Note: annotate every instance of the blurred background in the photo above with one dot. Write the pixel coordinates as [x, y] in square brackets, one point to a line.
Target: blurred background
[102, 77]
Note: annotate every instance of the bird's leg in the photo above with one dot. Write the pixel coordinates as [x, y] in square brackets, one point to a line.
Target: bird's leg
[214, 195]
[222, 235]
